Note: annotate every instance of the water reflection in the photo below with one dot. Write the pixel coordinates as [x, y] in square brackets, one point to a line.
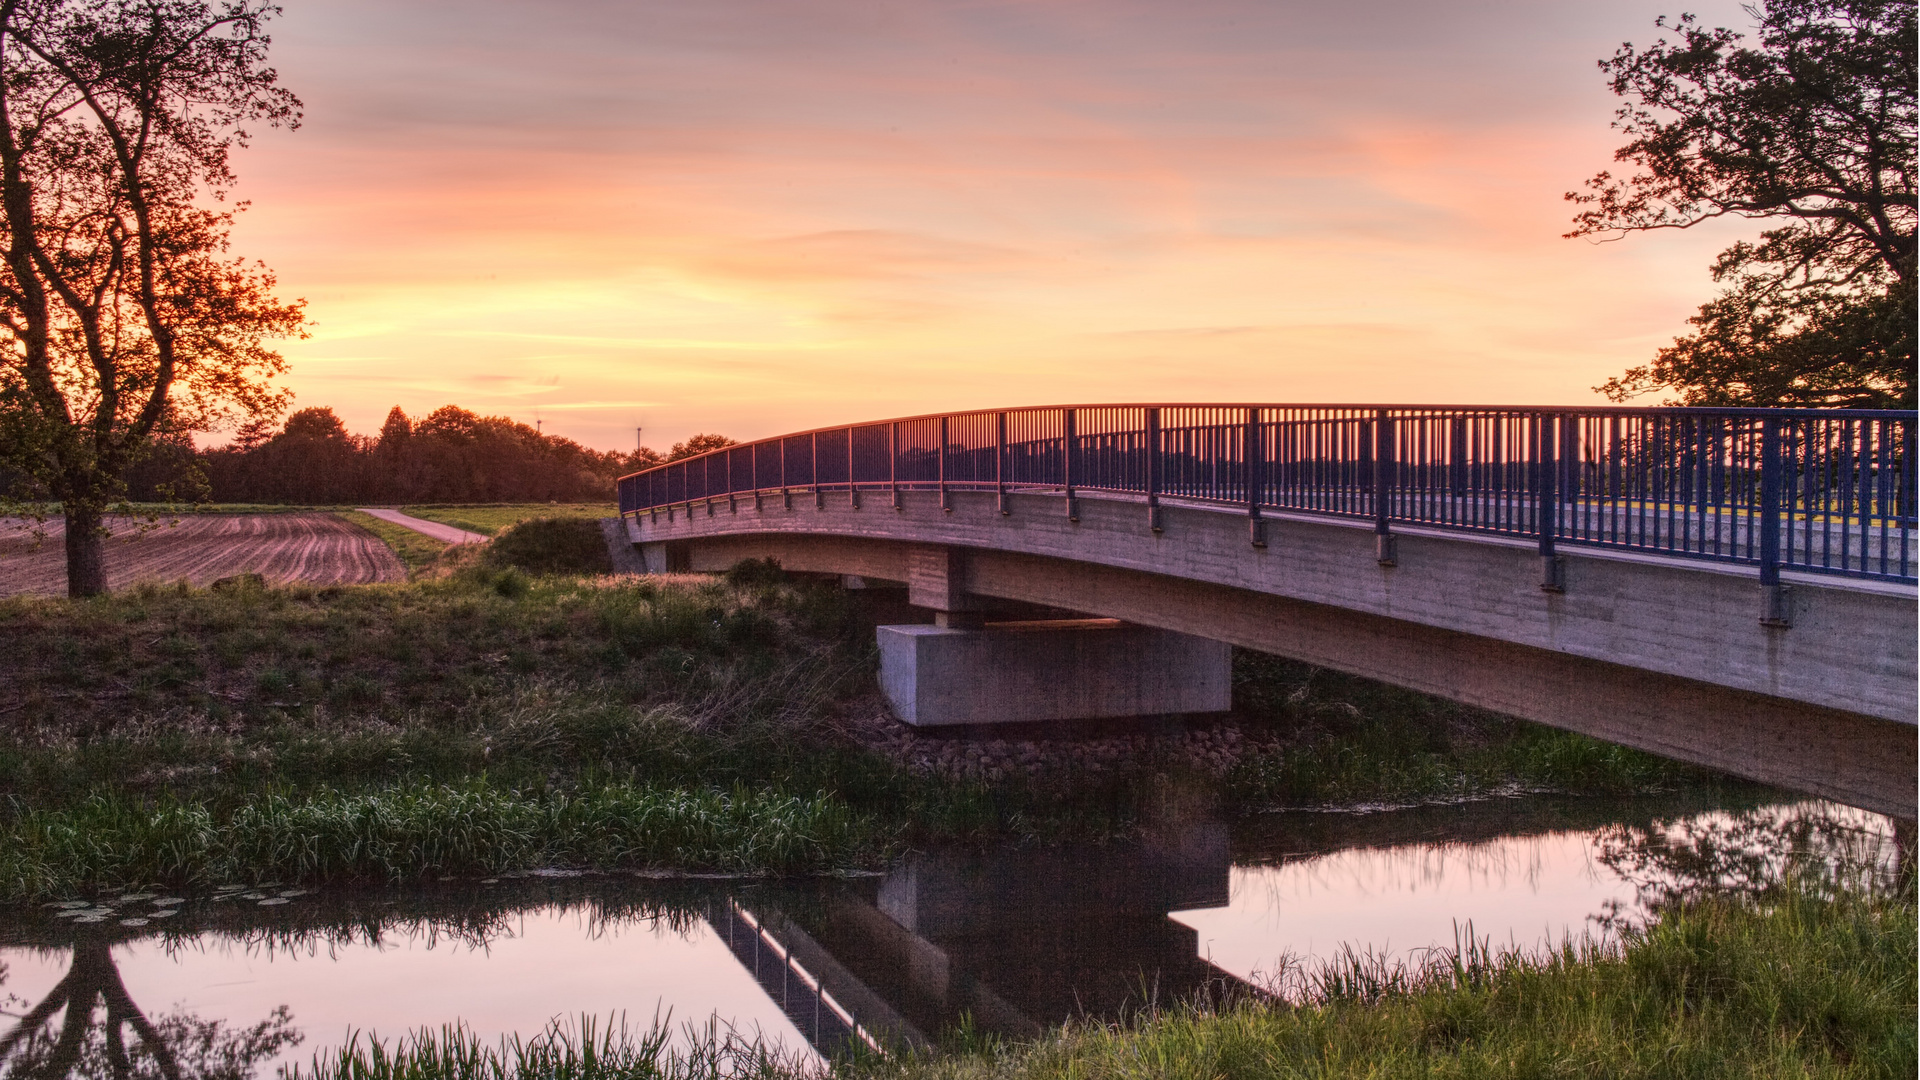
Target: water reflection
[1013, 941]
[1752, 851]
[175, 1046]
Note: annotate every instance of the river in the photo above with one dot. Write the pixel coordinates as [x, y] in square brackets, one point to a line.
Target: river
[248, 979]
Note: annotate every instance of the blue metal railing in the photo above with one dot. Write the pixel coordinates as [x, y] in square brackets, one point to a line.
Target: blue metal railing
[1830, 491]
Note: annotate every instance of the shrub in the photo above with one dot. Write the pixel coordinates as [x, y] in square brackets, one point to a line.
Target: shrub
[551, 545]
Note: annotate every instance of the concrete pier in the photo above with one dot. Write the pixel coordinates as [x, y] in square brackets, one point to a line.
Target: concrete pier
[1060, 669]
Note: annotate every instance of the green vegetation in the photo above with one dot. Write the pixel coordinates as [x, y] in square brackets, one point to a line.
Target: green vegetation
[462, 717]
[551, 545]
[416, 550]
[154, 734]
[1801, 985]
[489, 520]
[409, 831]
[1352, 740]
[488, 718]
[583, 1050]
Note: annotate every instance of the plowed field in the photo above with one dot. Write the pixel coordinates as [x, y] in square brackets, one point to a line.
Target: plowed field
[316, 548]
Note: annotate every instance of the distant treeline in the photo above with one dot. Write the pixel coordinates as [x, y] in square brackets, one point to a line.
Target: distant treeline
[451, 455]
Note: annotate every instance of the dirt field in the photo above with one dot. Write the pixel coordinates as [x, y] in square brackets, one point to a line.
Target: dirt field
[316, 548]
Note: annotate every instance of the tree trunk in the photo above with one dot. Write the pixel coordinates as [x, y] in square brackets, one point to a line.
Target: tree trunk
[86, 552]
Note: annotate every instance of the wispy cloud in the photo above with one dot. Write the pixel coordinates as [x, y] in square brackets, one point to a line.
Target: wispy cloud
[751, 215]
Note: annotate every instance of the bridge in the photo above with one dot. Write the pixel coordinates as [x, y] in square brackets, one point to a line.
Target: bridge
[1733, 588]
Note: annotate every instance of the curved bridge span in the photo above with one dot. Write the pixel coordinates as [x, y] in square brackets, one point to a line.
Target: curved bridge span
[1733, 588]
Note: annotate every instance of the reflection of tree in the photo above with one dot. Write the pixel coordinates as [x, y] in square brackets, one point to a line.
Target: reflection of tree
[179, 1046]
[1753, 852]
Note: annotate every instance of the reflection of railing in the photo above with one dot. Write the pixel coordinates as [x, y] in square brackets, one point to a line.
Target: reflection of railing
[1820, 490]
[826, 1024]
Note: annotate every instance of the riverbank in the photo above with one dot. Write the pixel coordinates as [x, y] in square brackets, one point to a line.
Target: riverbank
[1799, 984]
[146, 729]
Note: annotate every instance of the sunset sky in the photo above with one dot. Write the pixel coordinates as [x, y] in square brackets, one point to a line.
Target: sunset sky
[753, 216]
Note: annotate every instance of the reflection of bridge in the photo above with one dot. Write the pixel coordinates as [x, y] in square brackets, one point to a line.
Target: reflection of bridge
[1012, 942]
[1733, 588]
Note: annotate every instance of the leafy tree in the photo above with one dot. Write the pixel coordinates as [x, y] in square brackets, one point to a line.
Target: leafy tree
[697, 445]
[1812, 125]
[120, 308]
[312, 460]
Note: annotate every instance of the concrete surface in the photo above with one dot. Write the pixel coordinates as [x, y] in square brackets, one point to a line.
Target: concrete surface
[1049, 670]
[1667, 655]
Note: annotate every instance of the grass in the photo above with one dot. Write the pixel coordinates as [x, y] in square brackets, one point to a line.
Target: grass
[490, 519]
[1354, 741]
[1799, 985]
[414, 831]
[586, 1049]
[164, 706]
[416, 550]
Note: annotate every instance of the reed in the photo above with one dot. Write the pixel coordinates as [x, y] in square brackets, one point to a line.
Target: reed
[586, 1048]
[412, 832]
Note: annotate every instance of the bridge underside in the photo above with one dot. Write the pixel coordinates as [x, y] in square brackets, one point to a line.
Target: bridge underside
[1858, 760]
[1588, 660]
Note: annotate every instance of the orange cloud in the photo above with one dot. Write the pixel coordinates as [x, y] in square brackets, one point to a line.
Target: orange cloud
[753, 217]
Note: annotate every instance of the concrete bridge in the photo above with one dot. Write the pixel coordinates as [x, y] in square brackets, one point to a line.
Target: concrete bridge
[1732, 588]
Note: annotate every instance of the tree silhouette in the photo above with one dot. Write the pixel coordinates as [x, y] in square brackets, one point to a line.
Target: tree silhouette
[1811, 126]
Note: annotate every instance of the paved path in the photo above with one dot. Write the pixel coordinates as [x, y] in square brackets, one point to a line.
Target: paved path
[444, 533]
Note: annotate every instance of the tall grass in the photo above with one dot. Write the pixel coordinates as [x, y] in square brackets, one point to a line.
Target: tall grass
[1799, 986]
[583, 1049]
[412, 832]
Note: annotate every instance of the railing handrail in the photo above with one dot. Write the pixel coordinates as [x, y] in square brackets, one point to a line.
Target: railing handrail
[1595, 410]
[1805, 489]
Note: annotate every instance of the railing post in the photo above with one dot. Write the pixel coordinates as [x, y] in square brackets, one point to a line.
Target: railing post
[753, 462]
[786, 490]
[1000, 462]
[1254, 460]
[1386, 547]
[1547, 507]
[945, 503]
[1153, 469]
[1775, 611]
[813, 473]
[893, 463]
[853, 486]
[1070, 449]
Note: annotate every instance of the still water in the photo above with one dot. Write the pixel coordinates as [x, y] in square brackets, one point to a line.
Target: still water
[245, 982]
